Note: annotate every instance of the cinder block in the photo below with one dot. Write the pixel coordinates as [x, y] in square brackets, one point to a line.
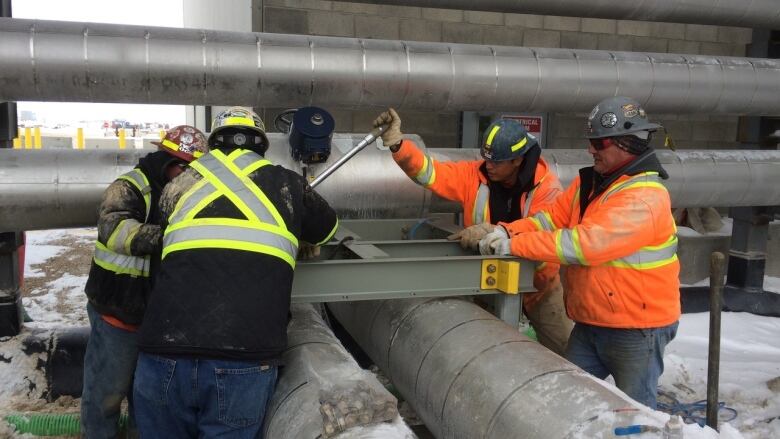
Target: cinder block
[400, 11]
[637, 28]
[678, 130]
[567, 127]
[330, 23]
[461, 33]
[682, 46]
[386, 28]
[541, 38]
[674, 31]
[731, 131]
[552, 22]
[599, 25]
[622, 43]
[309, 4]
[420, 30]
[502, 36]
[646, 44]
[710, 131]
[716, 49]
[773, 250]
[736, 35]
[579, 40]
[477, 17]
[700, 32]
[267, 3]
[448, 122]
[524, 20]
[451, 15]
[356, 8]
[286, 21]
[739, 50]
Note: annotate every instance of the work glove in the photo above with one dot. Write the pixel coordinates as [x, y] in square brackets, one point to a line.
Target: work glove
[307, 251]
[496, 242]
[392, 135]
[470, 236]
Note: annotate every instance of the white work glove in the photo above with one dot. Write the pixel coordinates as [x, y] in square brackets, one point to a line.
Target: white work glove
[470, 236]
[392, 135]
[307, 251]
[496, 242]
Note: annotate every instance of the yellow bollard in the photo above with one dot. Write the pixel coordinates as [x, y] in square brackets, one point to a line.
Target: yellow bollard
[80, 138]
[28, 138]
[17, 143]
[122, 140]
[37, 143]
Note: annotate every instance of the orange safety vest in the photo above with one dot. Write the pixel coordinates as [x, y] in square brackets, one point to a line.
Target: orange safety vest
[621, 267]
[463, 182]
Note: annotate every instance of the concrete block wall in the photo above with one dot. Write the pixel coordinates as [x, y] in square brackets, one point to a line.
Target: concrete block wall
[333, 18]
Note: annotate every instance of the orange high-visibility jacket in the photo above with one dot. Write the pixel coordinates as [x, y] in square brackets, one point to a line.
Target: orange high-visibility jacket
[621, 261]
[463, 182]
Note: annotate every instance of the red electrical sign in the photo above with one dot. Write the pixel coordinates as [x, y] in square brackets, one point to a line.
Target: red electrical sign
[532, 124]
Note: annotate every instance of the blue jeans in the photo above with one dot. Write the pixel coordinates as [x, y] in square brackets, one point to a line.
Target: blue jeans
[189, 398]
[109, 364]
[634, 357]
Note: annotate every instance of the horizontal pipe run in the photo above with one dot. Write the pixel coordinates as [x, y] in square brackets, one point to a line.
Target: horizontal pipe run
[469, 375]
[81, 62]
[45, 189]
[740, 13]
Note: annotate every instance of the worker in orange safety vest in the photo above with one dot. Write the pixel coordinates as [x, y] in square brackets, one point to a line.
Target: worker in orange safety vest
[613, 231]
[511, 182]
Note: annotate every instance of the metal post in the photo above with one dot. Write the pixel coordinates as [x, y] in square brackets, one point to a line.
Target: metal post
[508, 308]
[10, 285]
[747, 255]
[713, 359]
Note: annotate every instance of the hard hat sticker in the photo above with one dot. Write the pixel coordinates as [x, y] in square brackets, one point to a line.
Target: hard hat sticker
[630, 110]
[608, 120]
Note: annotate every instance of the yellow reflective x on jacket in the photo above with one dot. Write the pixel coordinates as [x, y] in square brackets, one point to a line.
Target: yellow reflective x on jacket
[262, 231]
[115, 255]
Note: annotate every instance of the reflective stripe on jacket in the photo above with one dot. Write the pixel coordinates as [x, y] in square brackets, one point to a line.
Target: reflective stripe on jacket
[623, 270]
[464, 182]
[115, 255]
[263, 230]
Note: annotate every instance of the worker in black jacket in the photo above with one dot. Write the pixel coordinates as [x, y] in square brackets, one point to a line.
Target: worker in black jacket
[216, 323]
[127, 254]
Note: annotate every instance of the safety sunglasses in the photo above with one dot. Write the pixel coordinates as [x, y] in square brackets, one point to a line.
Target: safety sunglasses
[600, 144]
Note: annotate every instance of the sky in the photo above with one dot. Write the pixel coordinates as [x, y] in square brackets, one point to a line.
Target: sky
[166, 13]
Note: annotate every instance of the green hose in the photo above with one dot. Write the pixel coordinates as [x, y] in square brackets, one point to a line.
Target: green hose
[52, 424]
[531, 333]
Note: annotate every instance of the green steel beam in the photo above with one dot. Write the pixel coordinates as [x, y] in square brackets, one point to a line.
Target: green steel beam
[372, 270]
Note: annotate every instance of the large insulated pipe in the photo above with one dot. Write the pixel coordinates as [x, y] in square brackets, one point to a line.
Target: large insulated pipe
[741, 13]
[44, 189]
[316, 369]
[469, 375]
[62, 61]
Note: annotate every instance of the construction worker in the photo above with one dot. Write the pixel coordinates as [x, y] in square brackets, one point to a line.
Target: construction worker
[613, 231]
[216, 324]
[512, 182]
[127, 254]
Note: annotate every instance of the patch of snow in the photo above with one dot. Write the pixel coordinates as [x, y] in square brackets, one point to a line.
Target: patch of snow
[750, 356]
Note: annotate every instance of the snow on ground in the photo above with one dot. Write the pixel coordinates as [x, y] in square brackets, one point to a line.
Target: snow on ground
[57, 263]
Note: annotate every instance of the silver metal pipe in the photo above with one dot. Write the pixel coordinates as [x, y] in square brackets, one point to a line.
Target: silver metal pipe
[469, 375]
[44, 189]
[62, 61]
[741, 13]
[315, 361]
